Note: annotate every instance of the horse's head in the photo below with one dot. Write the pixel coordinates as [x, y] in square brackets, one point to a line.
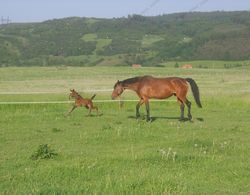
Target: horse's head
[118, 89]
[73, 93]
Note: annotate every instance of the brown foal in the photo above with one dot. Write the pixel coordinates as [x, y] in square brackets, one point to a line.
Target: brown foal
[80, 101]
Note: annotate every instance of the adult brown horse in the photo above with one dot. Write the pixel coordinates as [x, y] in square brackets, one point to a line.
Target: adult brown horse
[148, 87]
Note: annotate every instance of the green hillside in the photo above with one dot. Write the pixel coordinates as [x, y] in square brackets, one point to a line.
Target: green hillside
[123, 41]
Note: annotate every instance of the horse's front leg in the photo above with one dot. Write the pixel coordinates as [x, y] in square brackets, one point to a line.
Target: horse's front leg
[182, 106]
[148, 111]
[71, 110]
[138, 108]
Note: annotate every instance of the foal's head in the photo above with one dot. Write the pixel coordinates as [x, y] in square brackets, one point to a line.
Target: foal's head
[118, 89]
[73, 94]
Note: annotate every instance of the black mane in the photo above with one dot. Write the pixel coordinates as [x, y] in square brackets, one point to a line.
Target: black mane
[130, 80]
[134, 80]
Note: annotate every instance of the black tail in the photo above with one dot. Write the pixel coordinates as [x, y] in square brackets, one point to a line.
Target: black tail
[93, 97]
[195, 91]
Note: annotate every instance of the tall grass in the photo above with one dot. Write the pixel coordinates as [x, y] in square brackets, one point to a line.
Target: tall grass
[115, 153]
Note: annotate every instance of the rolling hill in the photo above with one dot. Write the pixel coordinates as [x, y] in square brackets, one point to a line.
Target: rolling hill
[122, 41]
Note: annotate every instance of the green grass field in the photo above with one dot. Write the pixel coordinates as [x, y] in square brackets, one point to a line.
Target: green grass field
[114, 153]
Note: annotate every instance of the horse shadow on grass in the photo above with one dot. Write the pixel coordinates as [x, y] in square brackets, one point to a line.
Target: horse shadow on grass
[94, 115]
[90, 115]
[154, 118]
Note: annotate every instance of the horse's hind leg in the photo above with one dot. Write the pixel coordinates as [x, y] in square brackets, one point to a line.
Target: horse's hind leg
[138, 107]
[96, 108]
[182, 106]
[90, 109]
[188, 103]
[181, 97]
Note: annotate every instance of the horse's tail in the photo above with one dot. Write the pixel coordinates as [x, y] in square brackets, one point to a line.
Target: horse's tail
[93, 97]
[195, 91]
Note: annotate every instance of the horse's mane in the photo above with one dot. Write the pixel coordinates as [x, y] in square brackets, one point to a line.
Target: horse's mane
[78, 94]
[132, 80]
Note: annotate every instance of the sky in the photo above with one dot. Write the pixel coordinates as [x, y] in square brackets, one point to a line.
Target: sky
[41, 10]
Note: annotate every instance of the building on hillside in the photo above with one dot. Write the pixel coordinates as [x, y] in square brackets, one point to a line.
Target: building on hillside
[136, 66]
[187, 66]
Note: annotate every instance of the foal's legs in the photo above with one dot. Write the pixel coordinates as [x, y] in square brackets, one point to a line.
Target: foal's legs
[71, 110]
[94, 107]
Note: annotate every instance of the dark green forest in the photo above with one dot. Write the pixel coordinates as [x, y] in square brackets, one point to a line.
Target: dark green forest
[149, 41]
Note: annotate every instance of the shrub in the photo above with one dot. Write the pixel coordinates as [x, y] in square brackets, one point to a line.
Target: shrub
[43, 152]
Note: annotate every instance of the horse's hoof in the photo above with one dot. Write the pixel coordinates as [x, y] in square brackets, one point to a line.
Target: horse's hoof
[182, 119]
[149, 120]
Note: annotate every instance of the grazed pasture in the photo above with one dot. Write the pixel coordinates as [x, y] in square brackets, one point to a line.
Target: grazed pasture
[114, 153]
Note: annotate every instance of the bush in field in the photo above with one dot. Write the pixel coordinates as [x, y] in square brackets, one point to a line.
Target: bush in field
[43, 152]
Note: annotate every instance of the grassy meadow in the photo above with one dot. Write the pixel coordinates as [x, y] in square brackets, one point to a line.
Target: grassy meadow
[114, 153]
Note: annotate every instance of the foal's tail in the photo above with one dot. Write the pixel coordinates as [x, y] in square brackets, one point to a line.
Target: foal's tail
[195, 91]
[93, 97]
